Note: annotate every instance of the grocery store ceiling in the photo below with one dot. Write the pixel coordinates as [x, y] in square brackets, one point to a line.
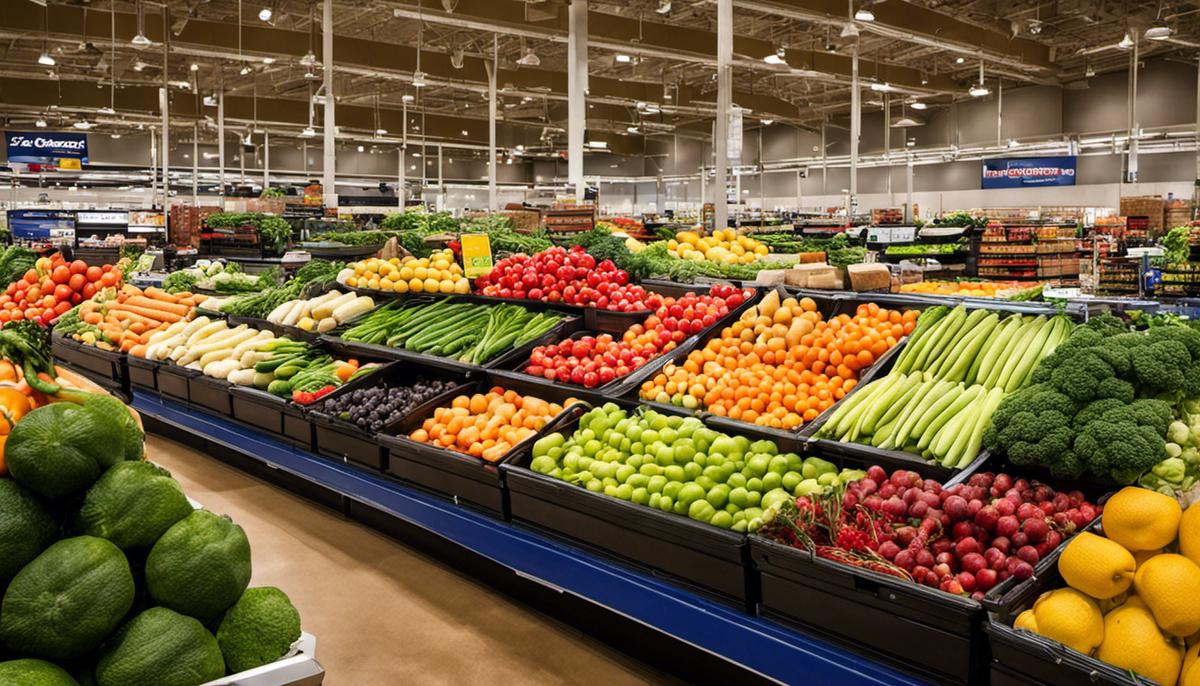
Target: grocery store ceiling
[651, 62]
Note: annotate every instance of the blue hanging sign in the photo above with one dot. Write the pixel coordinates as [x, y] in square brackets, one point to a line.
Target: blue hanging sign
[1028, 172]
[47, 150]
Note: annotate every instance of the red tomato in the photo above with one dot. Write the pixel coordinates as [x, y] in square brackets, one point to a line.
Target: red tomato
[94, 273]
[77, 282]
[107, 268]
[62, 307]
[47, 284]
[4, 316]
[32, 294]
[78, 267]
[48, 301]
[17, 315]
[61, 274]
[90, 289]
[63, 292]
[109, 279]
[31, 276]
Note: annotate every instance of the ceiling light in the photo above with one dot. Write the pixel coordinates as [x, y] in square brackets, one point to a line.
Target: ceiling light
[918, 105]
[310, 76]
[83, 124]
[849, 31]
[1158, 31]
[631, 129]
[40, 123]
[106, 110]
[361, 149]
[959, 60]
[244, 71]
[979, 90]
[664, 7]
[380, 132]
[418, 79]
[1126, 41]
[46, 59]
[622, 58]
[466, 132]
[114, 135]
[597, 144]
[881, 87]
[456, 58]
[529, 59]
[910, 142]
[1012, 142]
[417, 154]
[180, 84]
[141, 41]
[407, 97]
[520, 148]
[1089, 71]
[768, 122]
[309, 59]
[210, 101]
[508, 161]
[268, 60]
[777, 57]
[265, 14]
[308, 132]
[138, 66]
[864, 14]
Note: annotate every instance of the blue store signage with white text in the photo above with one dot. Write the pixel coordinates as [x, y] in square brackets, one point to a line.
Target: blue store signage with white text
[1028, 172]
[47, 149]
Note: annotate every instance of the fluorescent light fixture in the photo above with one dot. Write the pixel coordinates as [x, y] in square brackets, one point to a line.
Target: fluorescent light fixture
[768, 122]
[1126, 41]
[1089, 71]
[910, 143]
[598, 144]
[268, 60]
[193, 67]
[114, 135]
[83, 124]
[141, 41]
[106, 110]
[361, 149]
[1158, 31]
[466, 132]
[308, 132]
[407, 97]
[417, 155]
[508, 161]
[622, 58]
[380, 132]
[309, 59]
[881, 87]
[864, 14]
[979, 90]
[46, 59]
[520, 148]
[180, 84]
[40, 123]
[210, 101]
[1012, 142]
[418, 79]
[960, 59]
[138, 66]
[918, 105]
[632, 129]
[265, 14]
[310, 76]
[244, 70]
[664, 7]
[849, 31]
[529, 59]
[779, 57]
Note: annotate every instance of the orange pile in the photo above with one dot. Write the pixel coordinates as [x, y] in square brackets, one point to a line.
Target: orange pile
[781, 364]
[486, 425]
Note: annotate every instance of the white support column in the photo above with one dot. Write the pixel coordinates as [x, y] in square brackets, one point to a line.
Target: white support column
[163, 97]
[493, 200]
[221, 143]
[999, 113]
[400, 188]
[887, 143]
[266, 160]
[909, 215]
[329, 126]
[855, 133]
[724, 107]
[1131, 165]
[441, 196]
[402, 191]
[195, 165]
[577, 84]
[153, 165]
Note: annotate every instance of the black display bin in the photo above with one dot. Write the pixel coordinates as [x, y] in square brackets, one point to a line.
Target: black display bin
[211, 394]
[272, 414]
[92, 361]
[143, 373]
[173, 381]
[466, 479]
[344, 440]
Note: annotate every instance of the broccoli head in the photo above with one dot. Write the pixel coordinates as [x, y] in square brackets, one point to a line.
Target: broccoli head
[1189, 337]
[1161, 366]
[1115, 388]
[1069, 466]
[1128, 340]
[1191, 382]
[1037, 399]
[1030, 438]
[1120, 451]
[1151, 412]
[1105, 324]
[1079, 375]
[1097, 409]
[1080, 338]
[1117, 356]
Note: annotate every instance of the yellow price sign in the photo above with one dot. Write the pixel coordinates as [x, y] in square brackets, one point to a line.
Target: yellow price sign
[69, 163]
[477, 254]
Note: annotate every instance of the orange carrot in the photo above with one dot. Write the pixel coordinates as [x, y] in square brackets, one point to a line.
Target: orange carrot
[138, 350]
[123, 315]
[151, 304]
[159, 315]
[127, 344]
[160, 294]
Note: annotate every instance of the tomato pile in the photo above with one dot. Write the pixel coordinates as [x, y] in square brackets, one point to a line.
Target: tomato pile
[52, 287]
[572, 277]
[592, 361]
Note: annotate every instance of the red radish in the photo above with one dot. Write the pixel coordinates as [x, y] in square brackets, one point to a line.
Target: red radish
[973, 562]
[1007, 526]
[985, 579]
[1028, 553]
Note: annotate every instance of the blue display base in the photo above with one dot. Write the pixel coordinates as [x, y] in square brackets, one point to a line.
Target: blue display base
[756, 645]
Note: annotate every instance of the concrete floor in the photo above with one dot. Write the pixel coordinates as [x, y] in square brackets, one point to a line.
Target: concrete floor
[382, 613]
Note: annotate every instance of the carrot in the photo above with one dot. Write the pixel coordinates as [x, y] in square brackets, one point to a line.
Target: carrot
[126, 316]
[92, 317]
[151, 304]
[160, 294]
[127, 345]
[158, 315]
[138, 350]
[199, 298]
[190, 302]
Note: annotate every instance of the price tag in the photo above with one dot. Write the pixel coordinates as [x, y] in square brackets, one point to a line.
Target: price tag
[477, 254]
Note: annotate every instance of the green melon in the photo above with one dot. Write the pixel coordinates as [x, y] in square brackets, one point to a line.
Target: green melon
[67, 600]
[259, 629]
[132, 505]
[26, 528]
[200, 566]
[34, 673]
[160, 647]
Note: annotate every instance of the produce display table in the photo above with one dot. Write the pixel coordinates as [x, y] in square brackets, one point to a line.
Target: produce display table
[674, 628]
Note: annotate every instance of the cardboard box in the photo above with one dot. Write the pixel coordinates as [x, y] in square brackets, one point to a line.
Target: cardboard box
[771, 277]
[869, 277]
[811, 257]
[834, 281]
[815, 276]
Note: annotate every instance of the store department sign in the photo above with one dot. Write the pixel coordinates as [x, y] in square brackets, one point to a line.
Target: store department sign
[47, 150]
[1028, 172]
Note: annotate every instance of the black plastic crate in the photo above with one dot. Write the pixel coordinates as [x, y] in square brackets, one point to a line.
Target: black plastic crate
[96, 362]
[173, 381]
[143, 373]
[922, 630]
[210, 394]
[464, 478]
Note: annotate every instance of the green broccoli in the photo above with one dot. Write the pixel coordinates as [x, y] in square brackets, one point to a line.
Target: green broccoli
[1161, 366]
[1079, 375]
[1117, 356]
[1030, 438]
[1189, 337]
[1096, 409]
[1119, 450]
[1037, 399]
[1106, 324]
[1151, 412]
[1115, 388]
[1128, 339]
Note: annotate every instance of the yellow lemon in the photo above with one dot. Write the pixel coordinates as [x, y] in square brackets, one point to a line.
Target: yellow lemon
[1189, 534]
[431, 285]
[400, 287]
[1141, 519]
[1189, 675]
[1169, 584]
[1132, 641]
[416, 285]
[373, 283]
[446, 286]
[406, 273]
[462, 287]
[1069, 617]
[1097, 566]
[421, 273]
[1027, 621]
[352, 281]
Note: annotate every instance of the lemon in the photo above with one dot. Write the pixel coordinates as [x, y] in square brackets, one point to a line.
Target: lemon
[1169, 584]
[406, 273]
[416, 285]
[1141, 519]
[352, 281]
[431, 285]
[1097, 566]
[1069, 617]
[446, 286]
[386, 285]
[462, 286]
[1189, 675]
[373, 283]
[400, 287]
[1132, 641]
[421, 273]
[1027, 621]
[1189, 534]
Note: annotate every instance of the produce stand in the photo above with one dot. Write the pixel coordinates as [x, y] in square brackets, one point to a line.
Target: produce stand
[298, 669]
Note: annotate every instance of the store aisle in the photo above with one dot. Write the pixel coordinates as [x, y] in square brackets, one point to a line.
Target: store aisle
[384, 614]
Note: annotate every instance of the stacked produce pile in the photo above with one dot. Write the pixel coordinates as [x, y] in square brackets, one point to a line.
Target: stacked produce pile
[373, 408]
[469, 332]
[679, 465]
[838, 251]
[1008, 290]
[1132, 594]
[219, 276]
[501, 236]
[596, 360]
[72, 606]
[259, 305]
[437, 273]
[1110, 404]
[962, 539]
[573, 277]
[939, 398]
[487, 425]
[782, 363]
[323, 313]
[52, 287]
[925, 249]
[120, 319]
[724, 246]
